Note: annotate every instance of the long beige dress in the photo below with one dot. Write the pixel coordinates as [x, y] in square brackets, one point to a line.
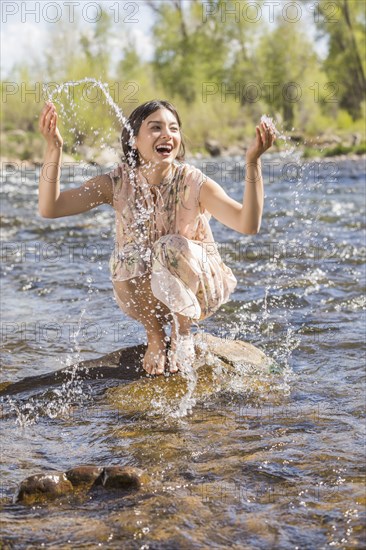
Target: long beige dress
[162, 230]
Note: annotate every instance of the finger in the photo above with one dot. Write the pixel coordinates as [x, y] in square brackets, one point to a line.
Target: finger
[263, 136]
[267, 133]
[265, 127]
[47, 108]
[49, 118]
[43, 114]
[259, 134]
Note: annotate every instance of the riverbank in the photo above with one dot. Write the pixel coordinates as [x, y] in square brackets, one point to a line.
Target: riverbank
[27, 149]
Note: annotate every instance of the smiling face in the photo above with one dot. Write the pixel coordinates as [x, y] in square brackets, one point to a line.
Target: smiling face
[158, 140]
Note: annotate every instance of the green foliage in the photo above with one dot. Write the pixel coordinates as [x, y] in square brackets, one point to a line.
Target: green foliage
[337, 150]
[288, 69]
[187, 51]
[360, 149]
[344, 120]
[340, 149]
[191, 53]
[345, 63]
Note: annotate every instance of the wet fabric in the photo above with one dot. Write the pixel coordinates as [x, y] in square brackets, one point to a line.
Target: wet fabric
[161, 230]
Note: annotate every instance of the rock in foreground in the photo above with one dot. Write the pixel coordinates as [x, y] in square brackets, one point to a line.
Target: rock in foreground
[42, 488]
[117, 477]
[84, 476]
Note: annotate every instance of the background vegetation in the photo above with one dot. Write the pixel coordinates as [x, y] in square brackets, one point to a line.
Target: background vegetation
[221, 73]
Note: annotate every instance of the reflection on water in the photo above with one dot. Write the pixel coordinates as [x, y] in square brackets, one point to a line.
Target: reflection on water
[276, 468]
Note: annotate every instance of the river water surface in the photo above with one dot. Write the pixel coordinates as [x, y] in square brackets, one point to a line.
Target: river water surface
[243, 470]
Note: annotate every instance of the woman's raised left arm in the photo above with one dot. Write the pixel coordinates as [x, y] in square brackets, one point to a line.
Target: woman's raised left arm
[246, 217]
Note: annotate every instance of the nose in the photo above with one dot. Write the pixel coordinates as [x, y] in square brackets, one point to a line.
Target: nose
[166, 132]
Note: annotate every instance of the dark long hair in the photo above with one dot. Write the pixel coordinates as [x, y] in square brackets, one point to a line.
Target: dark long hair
[135, 120]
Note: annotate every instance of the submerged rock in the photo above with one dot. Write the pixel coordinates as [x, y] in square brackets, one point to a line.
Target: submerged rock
[83, 476]
[121, 477]
[43, 487]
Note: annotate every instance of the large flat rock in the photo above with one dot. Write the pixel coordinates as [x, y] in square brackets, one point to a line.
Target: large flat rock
[234, 357]
[221, 365]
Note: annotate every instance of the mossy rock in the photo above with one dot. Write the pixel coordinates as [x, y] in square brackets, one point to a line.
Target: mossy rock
[51, 486]
[221, 365]
[41, 488]
[84, 476]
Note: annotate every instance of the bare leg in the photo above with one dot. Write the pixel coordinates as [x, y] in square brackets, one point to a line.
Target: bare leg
[136, 299]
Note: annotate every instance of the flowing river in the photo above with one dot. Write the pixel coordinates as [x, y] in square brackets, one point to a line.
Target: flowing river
[242, 470]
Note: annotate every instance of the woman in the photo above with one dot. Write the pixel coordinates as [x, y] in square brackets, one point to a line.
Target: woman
[165, 265]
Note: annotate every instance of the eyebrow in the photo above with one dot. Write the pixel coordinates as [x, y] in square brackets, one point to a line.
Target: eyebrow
[159, 122]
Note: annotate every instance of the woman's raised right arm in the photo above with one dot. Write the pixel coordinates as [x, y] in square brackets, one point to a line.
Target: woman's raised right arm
[53, 203]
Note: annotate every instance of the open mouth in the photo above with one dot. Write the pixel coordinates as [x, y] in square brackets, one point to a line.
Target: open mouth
[164, 149]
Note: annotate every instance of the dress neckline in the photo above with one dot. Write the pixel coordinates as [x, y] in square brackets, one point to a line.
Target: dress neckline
[165, 181]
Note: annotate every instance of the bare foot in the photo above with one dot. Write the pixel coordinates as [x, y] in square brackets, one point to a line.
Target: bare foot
[181, 354]
[155, 356]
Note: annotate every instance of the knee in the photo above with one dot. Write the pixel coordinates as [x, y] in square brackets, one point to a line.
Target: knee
[171, 243]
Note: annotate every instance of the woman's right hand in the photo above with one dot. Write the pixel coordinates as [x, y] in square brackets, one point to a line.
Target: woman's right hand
[48, 126]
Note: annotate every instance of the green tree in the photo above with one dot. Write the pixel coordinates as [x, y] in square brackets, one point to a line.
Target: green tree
[344, 23]
[286, 58]
[188, 50]
[96, 47]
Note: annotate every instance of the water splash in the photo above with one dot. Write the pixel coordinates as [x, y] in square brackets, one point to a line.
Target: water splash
[280, 135]
[66, 86]
[260, 320]
[55, 403]
[185, 354]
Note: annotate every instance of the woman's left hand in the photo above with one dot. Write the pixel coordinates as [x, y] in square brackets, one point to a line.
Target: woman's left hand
[265, 136]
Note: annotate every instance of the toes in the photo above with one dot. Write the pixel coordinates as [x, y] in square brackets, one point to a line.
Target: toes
[160, 367]
[173, 369]
[154, 366]
[172, 358]
[148, 367]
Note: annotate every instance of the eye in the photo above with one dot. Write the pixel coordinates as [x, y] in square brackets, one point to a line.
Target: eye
[155, 127]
